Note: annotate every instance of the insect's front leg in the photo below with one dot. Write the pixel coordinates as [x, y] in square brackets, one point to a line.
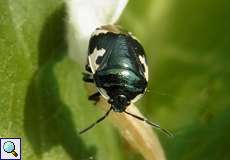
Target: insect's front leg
[87, 77]
[87, 67]
[95, 97]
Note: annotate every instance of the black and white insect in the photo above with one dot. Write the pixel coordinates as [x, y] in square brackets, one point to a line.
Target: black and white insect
[118, 67]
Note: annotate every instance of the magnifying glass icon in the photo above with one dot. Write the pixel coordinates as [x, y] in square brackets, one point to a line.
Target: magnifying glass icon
[9, 147]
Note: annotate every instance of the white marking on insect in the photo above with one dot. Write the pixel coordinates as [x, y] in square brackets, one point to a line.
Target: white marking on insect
[103, 93]
[99, 31]
[133, 37]
[143, 61]
[93, 57]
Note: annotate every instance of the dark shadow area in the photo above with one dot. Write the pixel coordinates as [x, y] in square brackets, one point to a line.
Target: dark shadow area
[48, 121]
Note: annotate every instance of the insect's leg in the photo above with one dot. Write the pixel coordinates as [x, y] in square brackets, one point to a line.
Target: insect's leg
[151, 123]
[98, 121]
[87, 67]
[95, 97]
[88, 77]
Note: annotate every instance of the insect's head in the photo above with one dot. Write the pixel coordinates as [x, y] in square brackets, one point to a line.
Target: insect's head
[119, 103]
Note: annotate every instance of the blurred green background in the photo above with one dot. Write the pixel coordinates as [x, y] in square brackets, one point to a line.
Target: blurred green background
[43, 99]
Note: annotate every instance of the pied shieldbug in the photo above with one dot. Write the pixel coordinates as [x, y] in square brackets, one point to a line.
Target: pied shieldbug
[117, 65]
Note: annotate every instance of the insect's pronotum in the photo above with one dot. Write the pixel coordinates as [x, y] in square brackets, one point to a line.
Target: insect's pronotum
[117, 65]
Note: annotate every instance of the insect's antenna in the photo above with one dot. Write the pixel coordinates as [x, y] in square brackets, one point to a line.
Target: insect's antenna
[98, 121]
[168, 133]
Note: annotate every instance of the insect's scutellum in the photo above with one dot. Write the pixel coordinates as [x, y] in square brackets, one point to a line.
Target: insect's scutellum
[118, 67]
